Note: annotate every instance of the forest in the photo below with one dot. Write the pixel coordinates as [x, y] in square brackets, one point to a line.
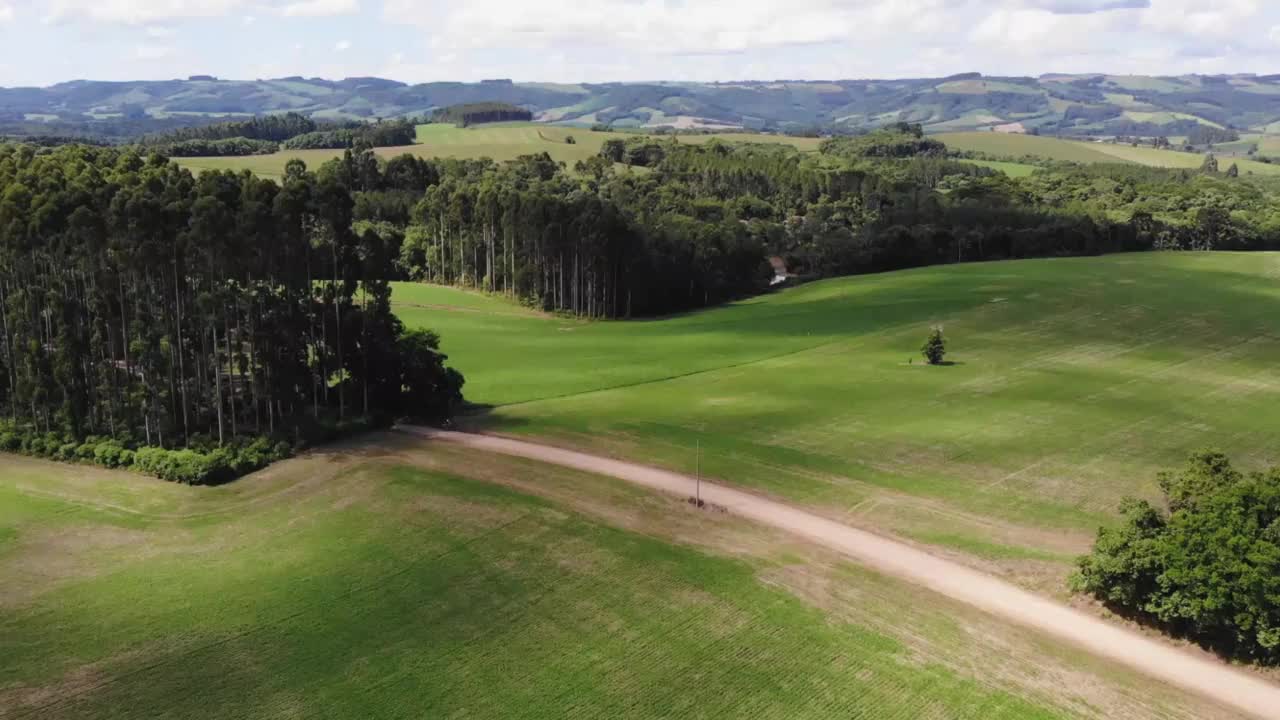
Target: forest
[476, 113]
[147, 307]
[195, 328]
[270, 133]
[694, 227]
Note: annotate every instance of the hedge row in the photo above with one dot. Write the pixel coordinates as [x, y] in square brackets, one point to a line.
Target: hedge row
[189, 466]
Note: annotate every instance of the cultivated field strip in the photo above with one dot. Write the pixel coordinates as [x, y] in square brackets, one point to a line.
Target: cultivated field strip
[427, 594]
[1247, 693]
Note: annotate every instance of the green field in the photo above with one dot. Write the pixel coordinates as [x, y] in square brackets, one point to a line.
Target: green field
[1012, 169]
[1076, 381]
[1016, 146]
[387, 579]
[501, 142]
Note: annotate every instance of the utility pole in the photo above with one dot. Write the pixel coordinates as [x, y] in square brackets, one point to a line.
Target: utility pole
[699, 473]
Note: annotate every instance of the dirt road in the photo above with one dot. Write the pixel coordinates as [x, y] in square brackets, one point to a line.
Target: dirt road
[1208, 677]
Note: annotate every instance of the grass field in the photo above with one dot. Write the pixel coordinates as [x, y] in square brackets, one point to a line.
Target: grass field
[1075, 381]
[1013, 145]
[1012, 169]
[501, 142]
[386, 579]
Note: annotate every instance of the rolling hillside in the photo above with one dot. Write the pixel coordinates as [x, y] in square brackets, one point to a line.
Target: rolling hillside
[1052, 104]
[1048, 148]
[1074, 383]
[499, 142]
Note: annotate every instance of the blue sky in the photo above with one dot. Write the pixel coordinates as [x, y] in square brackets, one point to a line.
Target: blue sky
[47, 41]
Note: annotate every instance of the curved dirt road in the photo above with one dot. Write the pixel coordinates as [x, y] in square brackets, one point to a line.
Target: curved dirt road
[1212, 679]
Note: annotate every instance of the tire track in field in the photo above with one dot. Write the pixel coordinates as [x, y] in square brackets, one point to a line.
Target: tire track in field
[1207, 677]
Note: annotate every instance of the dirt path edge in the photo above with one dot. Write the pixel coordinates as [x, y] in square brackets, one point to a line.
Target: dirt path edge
[1205, 676]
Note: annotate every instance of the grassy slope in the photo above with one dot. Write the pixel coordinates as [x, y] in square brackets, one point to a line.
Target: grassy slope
[1015, 145]
[504, 141]
[1049, 148]
[1012, 169]
[1076, 381]
[382, 579]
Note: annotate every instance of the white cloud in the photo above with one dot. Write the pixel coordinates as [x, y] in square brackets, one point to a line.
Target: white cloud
[137, 12]
[6, 12]
[159, 32]
[1203, 20]
[248, 20]
[705, 26]
[342, 45]
[319, 8]
[1040, 33]
[152, 52]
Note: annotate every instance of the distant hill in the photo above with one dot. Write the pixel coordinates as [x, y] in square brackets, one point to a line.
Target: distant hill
[1078, 105]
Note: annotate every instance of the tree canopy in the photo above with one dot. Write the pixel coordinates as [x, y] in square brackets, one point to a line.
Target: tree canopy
[148, 306]
[1207, 567]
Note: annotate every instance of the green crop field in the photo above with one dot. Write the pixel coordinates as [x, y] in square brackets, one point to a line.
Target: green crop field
[1012, 169]
[503, 141]
[385, 578]
[1015, 146]
[1075, 381]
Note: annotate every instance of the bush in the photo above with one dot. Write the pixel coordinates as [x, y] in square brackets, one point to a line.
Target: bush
[1208, 568]
[203, 462]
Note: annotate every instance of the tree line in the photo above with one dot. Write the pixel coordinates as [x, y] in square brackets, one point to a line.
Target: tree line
[695, 227]
[149, 308]
[270, 133]
[477, 113]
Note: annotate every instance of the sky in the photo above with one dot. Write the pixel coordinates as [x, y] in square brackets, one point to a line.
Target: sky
[47, 41]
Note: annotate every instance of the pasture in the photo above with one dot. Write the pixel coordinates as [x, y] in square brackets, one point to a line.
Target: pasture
[384, 578]
[1012, 169]
[1016, 146]
[501, 142]
[1075, 381]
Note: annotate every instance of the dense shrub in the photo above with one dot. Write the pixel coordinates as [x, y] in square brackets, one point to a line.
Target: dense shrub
[1207, 568]
[201, 463]
[217, 148]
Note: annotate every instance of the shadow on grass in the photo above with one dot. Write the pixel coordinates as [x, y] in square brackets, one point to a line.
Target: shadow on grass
[1224, 647]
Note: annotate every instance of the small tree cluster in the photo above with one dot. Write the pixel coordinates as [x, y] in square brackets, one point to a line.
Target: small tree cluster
[1208, 568]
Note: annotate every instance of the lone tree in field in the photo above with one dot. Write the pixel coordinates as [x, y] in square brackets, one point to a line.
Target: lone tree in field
[935, 348]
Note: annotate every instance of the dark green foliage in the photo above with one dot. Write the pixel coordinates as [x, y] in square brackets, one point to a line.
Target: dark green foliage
[935, 347]
[485, 112]
[150, 308]
[1208, 569]
[904, 141]
[429, 390]
[214, 148]
[269, 128]
[202, 464]
[393, 133]
[637, 151]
